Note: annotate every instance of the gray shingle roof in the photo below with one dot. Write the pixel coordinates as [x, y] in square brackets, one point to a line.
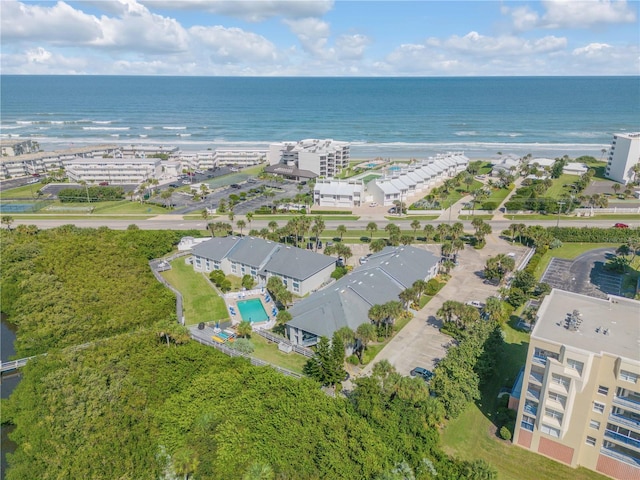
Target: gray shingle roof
[297, 263]
[347, 301]
[215, 248]
[252, 251]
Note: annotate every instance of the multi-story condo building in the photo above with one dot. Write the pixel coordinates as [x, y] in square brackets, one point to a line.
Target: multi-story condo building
[325, 158]
[623, 156]
[141, 151]
[116, 171]
[580, 398]
[336, 193]
[11, 148]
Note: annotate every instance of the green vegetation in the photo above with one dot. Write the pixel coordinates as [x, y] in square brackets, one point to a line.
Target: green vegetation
[474, 434]
[201, 303]
[26, 191]
[268, 351]
[68, 286]
[142, 401]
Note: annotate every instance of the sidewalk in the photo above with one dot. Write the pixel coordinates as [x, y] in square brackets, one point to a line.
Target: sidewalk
[499, 215]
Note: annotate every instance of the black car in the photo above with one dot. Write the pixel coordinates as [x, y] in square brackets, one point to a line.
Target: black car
[174, 185]
[421, 372]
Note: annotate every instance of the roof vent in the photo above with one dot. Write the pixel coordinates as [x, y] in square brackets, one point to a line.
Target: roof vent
[606, 331]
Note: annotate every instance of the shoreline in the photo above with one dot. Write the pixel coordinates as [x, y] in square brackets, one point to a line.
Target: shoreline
[359, 150]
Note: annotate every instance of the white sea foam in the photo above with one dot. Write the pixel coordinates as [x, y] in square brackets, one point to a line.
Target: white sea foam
[24, 122]
[102, 122]
[143, 136]
[10, 127]
[114, 135]
[105, 128]
[183, 134]
[148, 128]
[56, 122]
[466, 133]
[174, 128]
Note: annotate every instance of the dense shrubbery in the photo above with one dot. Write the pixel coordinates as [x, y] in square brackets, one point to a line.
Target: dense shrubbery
[68, 286]
[144, 402]
[594, 234]
[93, 194]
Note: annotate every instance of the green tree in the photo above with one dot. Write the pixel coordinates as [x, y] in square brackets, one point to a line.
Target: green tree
[241, 224]
[7, 220]
[244, 329]
[185, 462]
[248, 282]
[372, 228]
[365, 334]
[273, 225]
[415, 225]
[429, 232]
[341, 230]
[377, 245]
[243, 345]
[259, 471]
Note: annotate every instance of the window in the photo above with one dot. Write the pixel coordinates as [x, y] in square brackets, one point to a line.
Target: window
[598, 407]
[560, 380]
[575, 365]
[603, 390]
[554, 432]
[591, 441]
[296, 286]
[628, 376]
[556, 397]
[594, 424]
[549, 412]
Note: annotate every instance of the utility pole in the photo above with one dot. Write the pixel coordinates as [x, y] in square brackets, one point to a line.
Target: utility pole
[559, 208]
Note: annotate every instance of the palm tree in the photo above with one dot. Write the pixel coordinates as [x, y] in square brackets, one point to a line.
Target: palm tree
[372, 227]
[317, 229]
[415, 225]
[407, 296]
[443, 231]
[241, 224]
[212, 228]
[429, 231]
[377, 245]
[616, 188]
[205, 214]
[249, 218]
[377, 314]
[231, 215]
[341, 229]
[365, 333]
[244, 329]
[7, 220]
[447, 249]
[456, 230]
[273, 225]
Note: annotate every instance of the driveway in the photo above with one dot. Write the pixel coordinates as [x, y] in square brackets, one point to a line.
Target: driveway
[420, 342]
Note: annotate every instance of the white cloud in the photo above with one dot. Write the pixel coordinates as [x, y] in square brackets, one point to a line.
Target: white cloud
[474, 43]
[351, 47]
[585, 14]
[572, 14]
[38, 61]
[249, 10]
[234, 45]
[313, 34]
[59, 24]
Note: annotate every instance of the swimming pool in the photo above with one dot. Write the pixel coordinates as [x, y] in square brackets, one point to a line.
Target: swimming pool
[395, 168]
[252, 310]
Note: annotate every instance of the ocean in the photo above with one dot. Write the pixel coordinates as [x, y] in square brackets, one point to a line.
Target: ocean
[386, 117]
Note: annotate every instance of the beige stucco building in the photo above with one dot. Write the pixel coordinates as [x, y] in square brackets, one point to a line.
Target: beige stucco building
[580, 397]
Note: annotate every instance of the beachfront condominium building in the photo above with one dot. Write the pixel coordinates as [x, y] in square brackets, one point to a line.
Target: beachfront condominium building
[338, 193]
[580, 398]
[116, 171]
[624, 155]
[325, 158]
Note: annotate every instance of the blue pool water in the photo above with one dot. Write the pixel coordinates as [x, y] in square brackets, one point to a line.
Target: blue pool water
[371, 165]
[395, 168]
[252, 310]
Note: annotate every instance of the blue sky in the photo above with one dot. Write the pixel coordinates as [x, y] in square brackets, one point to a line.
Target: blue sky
[321, 38]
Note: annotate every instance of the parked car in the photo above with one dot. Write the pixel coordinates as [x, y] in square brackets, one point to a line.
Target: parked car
[373, 204]
[421, 372]
[103, 184]
[174, 185]
[364, 259]
[234, 185]
[621, 225]
[475, 303]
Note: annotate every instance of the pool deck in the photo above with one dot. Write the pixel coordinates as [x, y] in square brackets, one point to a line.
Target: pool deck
[232, 305]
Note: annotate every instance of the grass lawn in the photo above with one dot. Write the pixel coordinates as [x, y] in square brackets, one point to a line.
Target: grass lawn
[472, 435]
[368, 178]
[126, 206]
[558, 187]
[499, 194]
[471, 217]
[485, 168]
[411, 218]
[26, 191]
[347, 217]
[268, 351]
[201, 302]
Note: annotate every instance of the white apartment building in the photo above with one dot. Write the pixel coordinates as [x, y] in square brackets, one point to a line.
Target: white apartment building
[12, 148]
[624, 154]
[325, 158]
[115, 171]
[579, 400]
[336, 193]
[142, 151]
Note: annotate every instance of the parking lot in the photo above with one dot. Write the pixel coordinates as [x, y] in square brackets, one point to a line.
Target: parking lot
[420, 343]
[585, 275]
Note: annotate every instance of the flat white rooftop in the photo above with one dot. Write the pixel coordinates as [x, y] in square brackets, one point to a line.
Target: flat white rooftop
[619, 317]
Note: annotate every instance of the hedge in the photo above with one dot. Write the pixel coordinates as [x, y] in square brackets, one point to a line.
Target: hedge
[594, 234]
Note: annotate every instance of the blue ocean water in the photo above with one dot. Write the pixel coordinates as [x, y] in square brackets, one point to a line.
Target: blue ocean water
[390, 117]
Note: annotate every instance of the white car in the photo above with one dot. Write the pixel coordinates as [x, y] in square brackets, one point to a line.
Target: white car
[475, 303]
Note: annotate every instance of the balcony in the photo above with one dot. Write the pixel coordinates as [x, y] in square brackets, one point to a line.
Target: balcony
[535, 378]
[627, 402]
[533, 394]
[622, 439]
[620, 456]
[539, 360]
[531, 410]
[626, 421]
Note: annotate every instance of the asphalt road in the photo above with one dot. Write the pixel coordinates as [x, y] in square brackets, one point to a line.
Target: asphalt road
[174, 222]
